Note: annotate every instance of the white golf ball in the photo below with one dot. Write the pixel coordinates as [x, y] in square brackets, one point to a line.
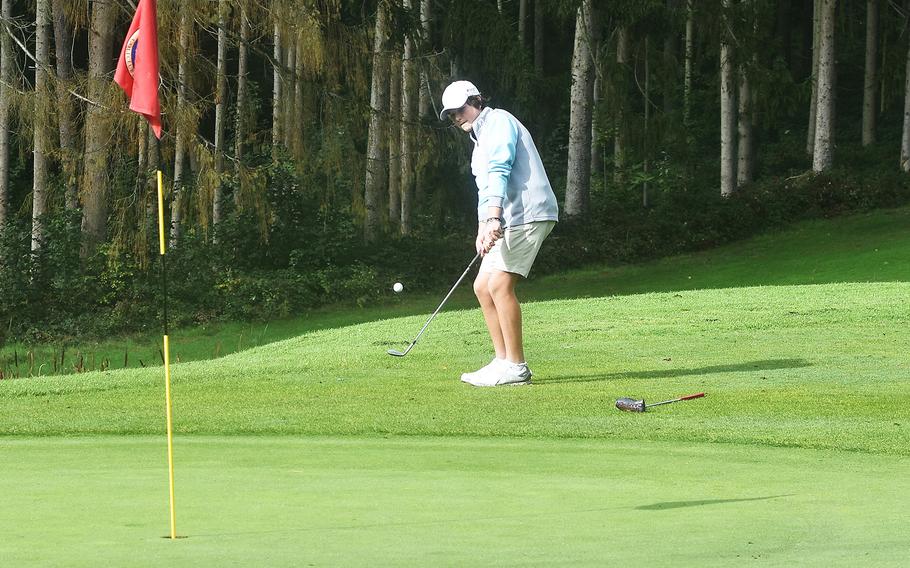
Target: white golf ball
[398, 287]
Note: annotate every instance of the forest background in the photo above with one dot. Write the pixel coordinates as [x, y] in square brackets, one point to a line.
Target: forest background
[305, 163]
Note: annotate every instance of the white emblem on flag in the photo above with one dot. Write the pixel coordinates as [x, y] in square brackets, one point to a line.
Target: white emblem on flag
[131, 47]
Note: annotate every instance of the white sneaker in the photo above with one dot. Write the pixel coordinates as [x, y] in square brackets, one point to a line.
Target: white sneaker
[510, 374]
[490, 367]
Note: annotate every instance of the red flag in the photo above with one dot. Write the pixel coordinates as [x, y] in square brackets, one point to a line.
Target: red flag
[137, 70]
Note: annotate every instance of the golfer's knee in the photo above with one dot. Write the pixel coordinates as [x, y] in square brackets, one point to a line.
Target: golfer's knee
[500, 286]
[482, 288]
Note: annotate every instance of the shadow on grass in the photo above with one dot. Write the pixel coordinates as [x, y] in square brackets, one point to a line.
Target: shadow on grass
[459, 522]
[766, 365]
[681, 504]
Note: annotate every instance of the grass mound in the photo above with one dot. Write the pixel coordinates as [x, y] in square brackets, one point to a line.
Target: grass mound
[805, 366]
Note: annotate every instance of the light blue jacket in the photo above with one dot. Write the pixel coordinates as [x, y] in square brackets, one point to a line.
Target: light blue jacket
[509, 172]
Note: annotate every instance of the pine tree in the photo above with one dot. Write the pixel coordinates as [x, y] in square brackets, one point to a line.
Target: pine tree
[41, 132]
[379, 94]
[95, 184]
[578, 180]
[823, 151]
[6, 80]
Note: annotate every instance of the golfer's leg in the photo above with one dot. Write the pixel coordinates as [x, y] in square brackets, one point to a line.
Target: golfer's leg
[490, 315]
[502, 290]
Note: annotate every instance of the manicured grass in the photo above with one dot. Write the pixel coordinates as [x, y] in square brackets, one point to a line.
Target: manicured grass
[323, 450]
[870, 247]
[282, 501]
[802, 366]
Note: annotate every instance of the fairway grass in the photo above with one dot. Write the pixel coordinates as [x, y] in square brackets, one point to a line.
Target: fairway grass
[286, 501]
[822, 367]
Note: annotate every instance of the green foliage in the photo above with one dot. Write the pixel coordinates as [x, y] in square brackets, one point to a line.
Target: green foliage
[293, 240]
[14, 271]
[312, 256]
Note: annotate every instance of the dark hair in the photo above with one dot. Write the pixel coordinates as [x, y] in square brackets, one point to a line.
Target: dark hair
[477, 101]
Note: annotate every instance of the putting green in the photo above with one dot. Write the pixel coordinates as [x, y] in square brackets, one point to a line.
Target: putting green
[289, 501]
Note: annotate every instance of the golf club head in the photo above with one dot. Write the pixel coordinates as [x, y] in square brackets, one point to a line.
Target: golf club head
[396, 353]
[630, 405]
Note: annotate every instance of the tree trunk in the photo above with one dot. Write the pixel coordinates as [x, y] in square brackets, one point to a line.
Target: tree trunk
[395, 128]
[619, 144]
[905, 138]
[6, 80]
[425, 98]
[727, 114]
[784, 31]
[823, 155]
[745, 171]
[690, 59]
[813, 103]
[220, 113]
[41, 108]
[882, 79]
[142, 156]
[455, 66]
[522, 23]
[42, 111]
[597, 157]
[239, 119]
[646, 162]
[182, 141]
[151, 182]
[670, 66]
[871, 74]
[538, 37]
[63, 40]
[746, 116]
[290, 88]
[97, 128]
[299, 110]
[578, 175]
[804, 50]
[408, 174]
[379, 95]
[277, 82]
[745, 147]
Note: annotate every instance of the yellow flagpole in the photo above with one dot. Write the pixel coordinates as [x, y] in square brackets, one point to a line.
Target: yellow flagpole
[167, 362]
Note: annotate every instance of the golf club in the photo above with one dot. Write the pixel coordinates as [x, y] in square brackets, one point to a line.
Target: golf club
[632, 405]
[396, 353]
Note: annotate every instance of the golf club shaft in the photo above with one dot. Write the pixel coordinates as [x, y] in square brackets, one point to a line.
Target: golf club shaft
[446, 299]
[687, 397]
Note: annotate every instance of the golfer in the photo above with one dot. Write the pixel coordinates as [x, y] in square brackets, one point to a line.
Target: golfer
[516, 210]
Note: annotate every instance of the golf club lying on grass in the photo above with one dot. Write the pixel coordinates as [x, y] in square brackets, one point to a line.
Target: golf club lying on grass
[632, 405]
[396, 353]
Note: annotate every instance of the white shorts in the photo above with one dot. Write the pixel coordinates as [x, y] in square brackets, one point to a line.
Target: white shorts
[516, 250]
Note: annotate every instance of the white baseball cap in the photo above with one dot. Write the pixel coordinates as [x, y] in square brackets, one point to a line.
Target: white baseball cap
[456, 95]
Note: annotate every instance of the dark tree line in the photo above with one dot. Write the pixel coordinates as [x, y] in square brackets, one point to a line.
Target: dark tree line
[320, 113]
